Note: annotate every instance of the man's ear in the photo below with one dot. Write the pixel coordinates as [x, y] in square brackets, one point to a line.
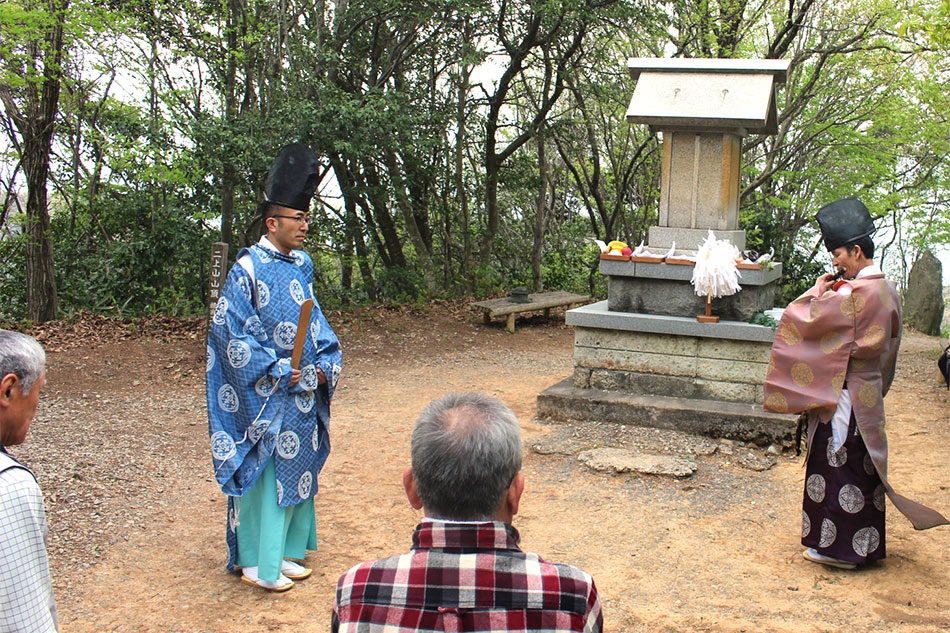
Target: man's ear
[7, 383]
[409, 483]
[513, 494]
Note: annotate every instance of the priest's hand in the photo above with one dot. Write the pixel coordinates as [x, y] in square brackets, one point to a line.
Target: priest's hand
[321, 377]
[825, 283]
[294, 376]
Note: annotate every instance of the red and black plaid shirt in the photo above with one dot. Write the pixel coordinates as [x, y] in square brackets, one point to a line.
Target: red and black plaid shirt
[466, 577]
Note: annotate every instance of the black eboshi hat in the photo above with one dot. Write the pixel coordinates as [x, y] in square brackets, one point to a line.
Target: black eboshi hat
[843, 222]
[293, 177]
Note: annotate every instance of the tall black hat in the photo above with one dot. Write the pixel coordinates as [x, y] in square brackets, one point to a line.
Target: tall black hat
[293, 177]
[843, 222]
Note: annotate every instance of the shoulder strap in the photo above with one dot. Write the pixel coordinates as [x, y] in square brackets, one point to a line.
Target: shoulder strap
[247, 263]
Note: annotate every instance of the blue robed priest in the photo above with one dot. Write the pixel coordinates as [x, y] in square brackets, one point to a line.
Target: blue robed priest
[270, 438]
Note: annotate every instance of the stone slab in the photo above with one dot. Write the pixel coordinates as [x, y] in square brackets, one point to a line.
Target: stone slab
[725, 349]
[669, 364]
[636, 341]
[694, 98]
[923, 298]
[751, 461]
[673, 365]
[753, 351]
[739, 421]
[597, 315]
[680, 272]
[619, 460]
[699, 184]
[778, 68]
[666, 385]
[676, 298]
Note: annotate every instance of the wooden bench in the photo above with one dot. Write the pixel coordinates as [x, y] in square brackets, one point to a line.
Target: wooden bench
[536, 301]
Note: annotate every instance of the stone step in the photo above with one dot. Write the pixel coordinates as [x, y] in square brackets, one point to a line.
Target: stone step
[714, 418]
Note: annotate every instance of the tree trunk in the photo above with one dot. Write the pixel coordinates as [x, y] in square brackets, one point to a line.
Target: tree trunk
[230, 113]
[227, 206]
[404, 205]
[354, 235]
[461, 192]
[42, 303]
[154, 151]
[542, 207]
[378, 200]
[492, 166]
[35, 122]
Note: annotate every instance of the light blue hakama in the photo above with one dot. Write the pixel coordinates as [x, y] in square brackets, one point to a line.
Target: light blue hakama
[267, 533]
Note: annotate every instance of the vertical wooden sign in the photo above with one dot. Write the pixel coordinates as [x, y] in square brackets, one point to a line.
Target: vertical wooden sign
[219, 272]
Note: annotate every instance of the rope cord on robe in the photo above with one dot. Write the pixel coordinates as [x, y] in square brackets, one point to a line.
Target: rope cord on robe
[245, 438]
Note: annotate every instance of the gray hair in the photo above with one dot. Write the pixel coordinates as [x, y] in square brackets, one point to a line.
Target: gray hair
[466, 450]
[21, 356]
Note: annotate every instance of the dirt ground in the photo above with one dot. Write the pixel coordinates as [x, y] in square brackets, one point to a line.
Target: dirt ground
[137, 521]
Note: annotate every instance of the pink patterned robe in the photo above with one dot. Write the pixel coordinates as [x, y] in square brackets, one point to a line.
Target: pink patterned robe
[824, 341]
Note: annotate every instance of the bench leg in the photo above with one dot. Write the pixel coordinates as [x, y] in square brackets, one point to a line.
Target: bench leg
[547, 312]
[510, 323]
[486, 318]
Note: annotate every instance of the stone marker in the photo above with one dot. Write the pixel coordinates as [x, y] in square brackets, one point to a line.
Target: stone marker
[923, 299]
[619, 460]
[219, 273]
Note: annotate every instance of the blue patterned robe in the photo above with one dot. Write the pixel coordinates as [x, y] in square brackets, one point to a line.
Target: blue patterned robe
[253, 414]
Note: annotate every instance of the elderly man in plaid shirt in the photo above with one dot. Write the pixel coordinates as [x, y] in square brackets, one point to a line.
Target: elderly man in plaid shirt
[26, 591]
[465, 571]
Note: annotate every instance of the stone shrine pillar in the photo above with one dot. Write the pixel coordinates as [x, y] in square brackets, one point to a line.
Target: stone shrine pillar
[703, 108]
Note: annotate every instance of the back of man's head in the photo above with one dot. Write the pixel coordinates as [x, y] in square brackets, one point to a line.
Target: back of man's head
[21, 356]
[22, 362]
[466, 451]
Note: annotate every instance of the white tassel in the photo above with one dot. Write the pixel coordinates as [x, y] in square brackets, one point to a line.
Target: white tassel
[715, 274]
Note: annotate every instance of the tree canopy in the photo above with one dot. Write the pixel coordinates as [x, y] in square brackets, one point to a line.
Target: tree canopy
[467, 147]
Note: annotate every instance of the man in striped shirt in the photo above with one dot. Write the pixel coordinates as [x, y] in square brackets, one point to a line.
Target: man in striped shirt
[26, 591]
[465, 571]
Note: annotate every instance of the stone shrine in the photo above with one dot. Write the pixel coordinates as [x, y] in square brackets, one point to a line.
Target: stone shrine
[641, 357]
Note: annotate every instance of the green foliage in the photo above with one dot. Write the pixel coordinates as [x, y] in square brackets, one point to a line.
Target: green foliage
[20, 27]
[150, 264]
[571, 271]
[13, 278]
[760, 318]
[391, 96]
[488, 281]
[927, 18]
[401, 285]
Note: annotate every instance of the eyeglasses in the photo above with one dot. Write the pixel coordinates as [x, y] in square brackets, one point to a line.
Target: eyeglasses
[302, 219]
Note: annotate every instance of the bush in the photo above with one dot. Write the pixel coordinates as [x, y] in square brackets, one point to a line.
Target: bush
[12, 278]
[401, 285]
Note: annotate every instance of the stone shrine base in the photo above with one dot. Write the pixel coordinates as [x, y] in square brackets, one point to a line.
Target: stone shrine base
[668, 372]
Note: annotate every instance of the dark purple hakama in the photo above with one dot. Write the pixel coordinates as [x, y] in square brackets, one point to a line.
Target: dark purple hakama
[843, 506]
